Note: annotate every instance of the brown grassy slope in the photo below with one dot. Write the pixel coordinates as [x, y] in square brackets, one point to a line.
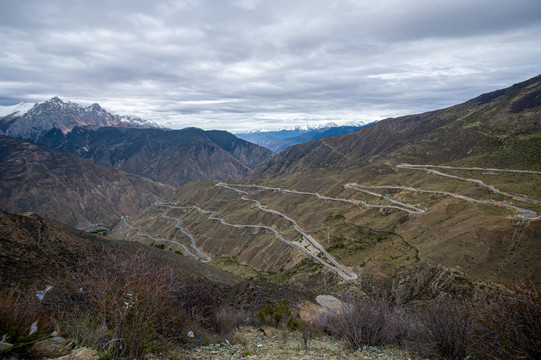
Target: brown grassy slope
[363, 239]
[67, 188]
[481, 241]
[501, 129]
[453, 242]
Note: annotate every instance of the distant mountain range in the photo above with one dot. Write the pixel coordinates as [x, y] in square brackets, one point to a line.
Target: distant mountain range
[28, 121]
[279, 140]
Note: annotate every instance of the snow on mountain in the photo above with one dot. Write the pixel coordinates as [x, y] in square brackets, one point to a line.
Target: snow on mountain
[278, 140]
[307, 127]
[28, 121]
[291, 128]
[136, 122]
[357, 123]
[19, 109]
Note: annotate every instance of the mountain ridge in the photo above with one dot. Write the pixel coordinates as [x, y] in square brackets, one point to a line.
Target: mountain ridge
[172, 157]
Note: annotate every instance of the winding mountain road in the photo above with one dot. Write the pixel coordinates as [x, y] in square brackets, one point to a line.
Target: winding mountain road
[525, 213]
[201, 257]
[469, 168]
[402, 206]
[334, 265]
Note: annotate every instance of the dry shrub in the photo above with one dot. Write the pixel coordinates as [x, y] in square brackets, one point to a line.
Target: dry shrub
[444, 330]
[361, 322]
[120, 303]
[402, 326]
[85, 330]
[18, 313]
[307, 329]
[440, 329]
[499, 324]
[228, 319]
[508, 324]
[198, 303]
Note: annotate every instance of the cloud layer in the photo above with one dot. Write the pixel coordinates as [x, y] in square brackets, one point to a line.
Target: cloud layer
[239, 64]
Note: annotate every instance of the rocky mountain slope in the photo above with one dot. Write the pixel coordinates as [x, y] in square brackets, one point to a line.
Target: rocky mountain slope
[67, 188]
[498, 129]
[172, 157]
[28, 121]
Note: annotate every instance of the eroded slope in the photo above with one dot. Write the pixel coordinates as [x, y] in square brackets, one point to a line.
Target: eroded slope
[67, 188]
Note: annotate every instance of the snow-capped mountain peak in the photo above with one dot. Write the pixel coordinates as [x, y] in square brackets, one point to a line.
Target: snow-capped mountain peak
[28, 121]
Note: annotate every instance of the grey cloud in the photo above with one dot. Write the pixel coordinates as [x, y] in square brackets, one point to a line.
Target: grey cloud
[220, 63]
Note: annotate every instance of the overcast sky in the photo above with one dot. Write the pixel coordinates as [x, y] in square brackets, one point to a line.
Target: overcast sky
[240, 64]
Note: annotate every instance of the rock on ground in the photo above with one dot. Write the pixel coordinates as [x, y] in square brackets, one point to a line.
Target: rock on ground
[82, 353]
[273, 344]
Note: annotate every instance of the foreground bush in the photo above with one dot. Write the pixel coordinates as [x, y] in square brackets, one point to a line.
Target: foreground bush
[269, 314]
[444, 330]
[120, 304]
[362, 322]
[508, 324]
[228, 319]
[125, 305]
[498, 324]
